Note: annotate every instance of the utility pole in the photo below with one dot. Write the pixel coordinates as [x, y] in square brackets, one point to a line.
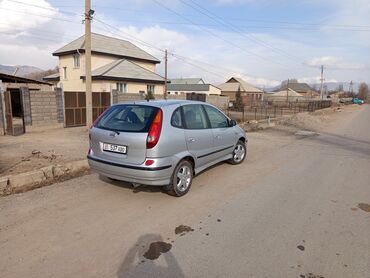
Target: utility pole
[88, 17]
[322, 82]
[287, 92]
[165, 74]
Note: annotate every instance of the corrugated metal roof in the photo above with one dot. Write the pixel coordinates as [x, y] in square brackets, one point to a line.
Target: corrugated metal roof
[196, 80]
[188, 87]
[298, 87]
[125, 70]
[108, 45]
[234, 83]
[282, 93]
[7, 78]
[52, 77]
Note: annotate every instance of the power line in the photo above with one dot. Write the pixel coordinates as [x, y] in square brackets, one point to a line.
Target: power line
[218, 19]
[39, 15]
[244, 26]
[41, 7]
[217, 36]
[190, 61]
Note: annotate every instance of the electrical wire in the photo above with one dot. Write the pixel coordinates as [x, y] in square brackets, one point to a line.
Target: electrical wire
[219, 37]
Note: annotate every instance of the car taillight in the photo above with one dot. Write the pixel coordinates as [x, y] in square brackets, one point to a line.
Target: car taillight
[155, 130]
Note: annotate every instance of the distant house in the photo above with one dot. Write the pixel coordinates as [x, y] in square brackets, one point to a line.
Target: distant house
[185, 86]
[248, 92]
[117, 65]
[285, 95]
[195, 80]
[302, 88]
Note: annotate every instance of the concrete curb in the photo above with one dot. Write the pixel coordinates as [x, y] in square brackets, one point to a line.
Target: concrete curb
[44, 176]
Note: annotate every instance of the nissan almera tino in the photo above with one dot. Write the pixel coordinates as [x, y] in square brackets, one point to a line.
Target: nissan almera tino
[163, 143]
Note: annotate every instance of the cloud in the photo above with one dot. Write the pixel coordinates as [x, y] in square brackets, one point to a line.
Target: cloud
[15, 17]
[29, 34]
[333, 63]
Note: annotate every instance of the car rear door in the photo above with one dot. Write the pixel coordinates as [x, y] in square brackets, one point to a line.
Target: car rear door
[224, 136]
[198, 135]
[125, 126]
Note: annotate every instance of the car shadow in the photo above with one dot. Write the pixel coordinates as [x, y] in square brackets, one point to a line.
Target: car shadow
[129, 186]
[148, 188]
[146, 258]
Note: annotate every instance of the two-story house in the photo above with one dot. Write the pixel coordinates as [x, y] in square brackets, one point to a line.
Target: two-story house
[116, 65]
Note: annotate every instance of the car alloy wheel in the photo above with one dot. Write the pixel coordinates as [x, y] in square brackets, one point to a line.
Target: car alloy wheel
[183, 178]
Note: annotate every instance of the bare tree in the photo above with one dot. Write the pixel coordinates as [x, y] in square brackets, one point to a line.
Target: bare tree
[41, 74]
[238, 100]
[363, 91]
[285, 82]
[340, 88]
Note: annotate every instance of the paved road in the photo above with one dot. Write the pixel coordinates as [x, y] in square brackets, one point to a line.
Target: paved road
[295, 208]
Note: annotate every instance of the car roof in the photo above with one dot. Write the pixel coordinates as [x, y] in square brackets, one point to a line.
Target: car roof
[162, 102]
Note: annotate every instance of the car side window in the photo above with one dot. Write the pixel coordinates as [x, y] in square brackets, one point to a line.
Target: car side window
[216, 118]
[176, 119]
[195, 117]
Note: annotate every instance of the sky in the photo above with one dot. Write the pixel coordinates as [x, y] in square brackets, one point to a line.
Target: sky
[262, 41]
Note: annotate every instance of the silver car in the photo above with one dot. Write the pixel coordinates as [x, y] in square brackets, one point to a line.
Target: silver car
[163, 143]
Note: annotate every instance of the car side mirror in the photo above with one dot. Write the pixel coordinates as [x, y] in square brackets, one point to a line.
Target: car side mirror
[233, 123]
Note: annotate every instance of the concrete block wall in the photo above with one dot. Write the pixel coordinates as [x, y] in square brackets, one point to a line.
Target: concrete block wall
[44, 109]
[124, 97]
[222, 102]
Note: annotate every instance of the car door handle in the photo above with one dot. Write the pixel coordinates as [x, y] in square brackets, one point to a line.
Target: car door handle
[218, 137]
[191, 139]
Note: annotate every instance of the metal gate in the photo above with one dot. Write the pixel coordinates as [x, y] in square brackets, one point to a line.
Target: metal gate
[75, 107]
[14, 118]
[194, 96]
[100, 102]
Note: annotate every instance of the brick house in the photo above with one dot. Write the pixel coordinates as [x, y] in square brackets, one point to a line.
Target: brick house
[249, 93]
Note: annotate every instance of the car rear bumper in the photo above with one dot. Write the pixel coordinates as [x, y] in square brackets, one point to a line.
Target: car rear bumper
[158, 174]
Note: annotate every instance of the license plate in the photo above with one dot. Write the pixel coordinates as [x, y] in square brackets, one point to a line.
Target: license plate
[114, 148]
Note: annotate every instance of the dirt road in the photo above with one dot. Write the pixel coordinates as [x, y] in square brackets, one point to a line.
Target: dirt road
[298, 205]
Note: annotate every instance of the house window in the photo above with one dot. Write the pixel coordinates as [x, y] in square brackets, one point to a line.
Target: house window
[122, 87]
[150, 89]
[76, 61]
[65, 73]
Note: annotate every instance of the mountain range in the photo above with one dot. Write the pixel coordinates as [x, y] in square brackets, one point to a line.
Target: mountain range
[22, 70]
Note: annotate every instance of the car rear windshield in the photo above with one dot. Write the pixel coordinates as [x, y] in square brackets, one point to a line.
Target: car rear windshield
[128, 118]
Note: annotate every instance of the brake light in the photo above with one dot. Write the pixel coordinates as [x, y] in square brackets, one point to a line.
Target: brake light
[155, 130]
[149, 162]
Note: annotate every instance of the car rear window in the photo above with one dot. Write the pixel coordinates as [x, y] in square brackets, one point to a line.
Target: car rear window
[128, 118]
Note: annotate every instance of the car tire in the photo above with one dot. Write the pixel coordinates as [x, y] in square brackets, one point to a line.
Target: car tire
[181, 179]
[239, 153]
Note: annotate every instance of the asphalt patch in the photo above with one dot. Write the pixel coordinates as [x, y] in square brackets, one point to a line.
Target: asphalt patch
[156, 249]
[364, 207]
[300, 247]
[183, 229]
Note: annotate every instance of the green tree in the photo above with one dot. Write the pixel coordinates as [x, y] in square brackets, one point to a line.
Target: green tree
[149, 96]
